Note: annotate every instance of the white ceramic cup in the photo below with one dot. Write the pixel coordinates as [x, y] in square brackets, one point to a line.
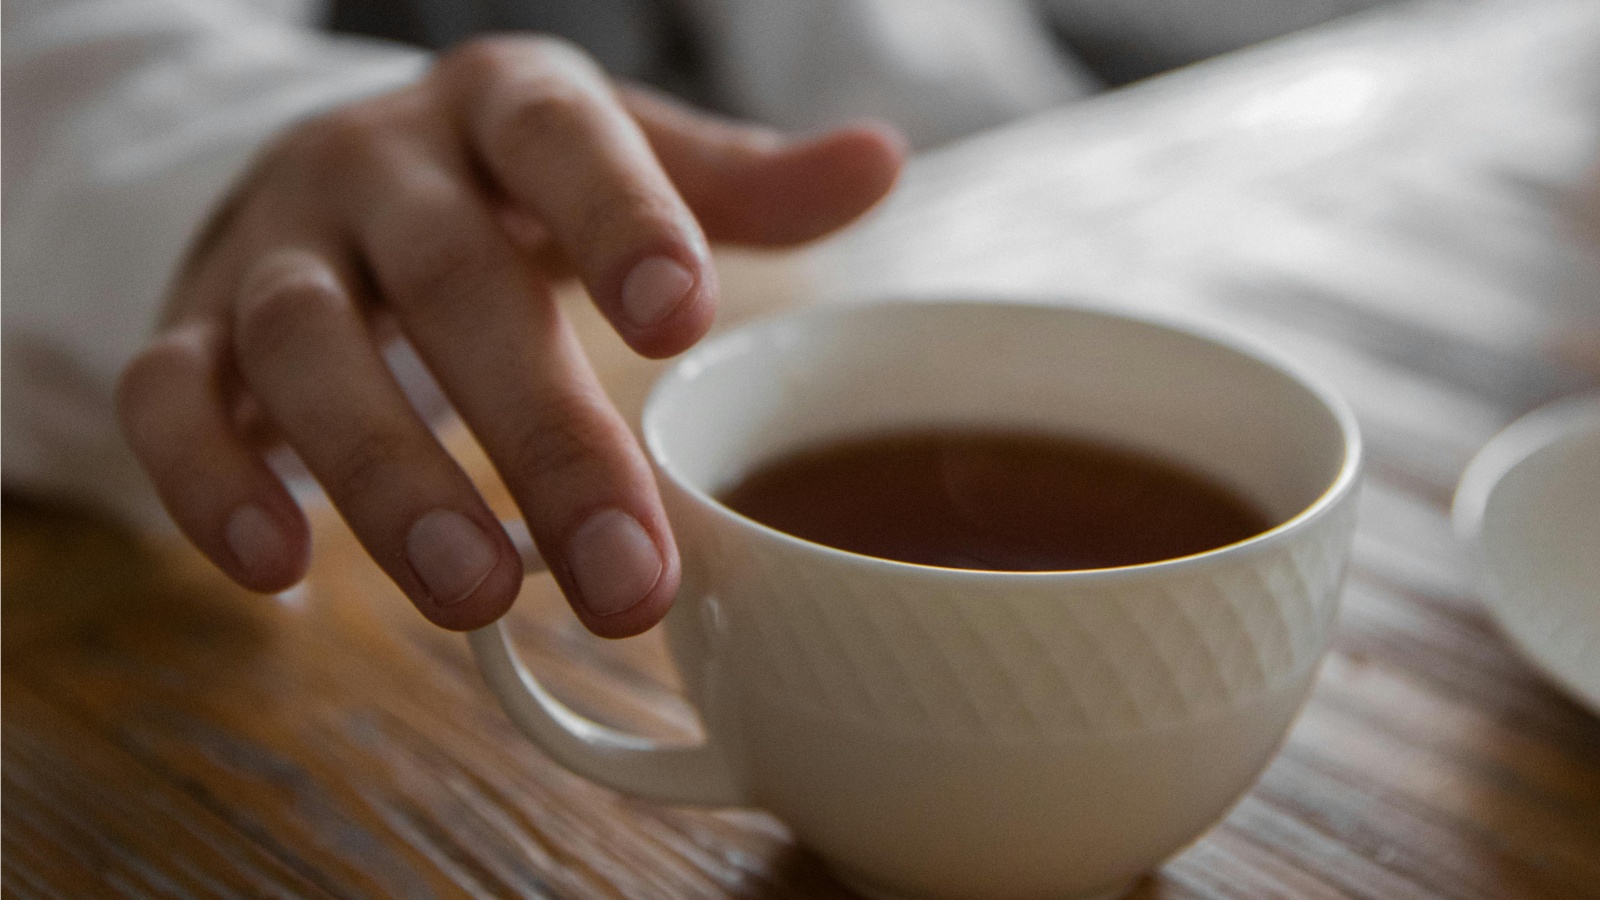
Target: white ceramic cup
[936, 732]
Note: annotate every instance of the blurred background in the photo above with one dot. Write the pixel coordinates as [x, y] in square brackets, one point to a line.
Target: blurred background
[937, 68]
[1401, 196]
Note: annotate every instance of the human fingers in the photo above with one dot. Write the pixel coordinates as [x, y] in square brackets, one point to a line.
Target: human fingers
[546, 125]
[173, 405]
[306, 355]
[491, 333]
[748, 185]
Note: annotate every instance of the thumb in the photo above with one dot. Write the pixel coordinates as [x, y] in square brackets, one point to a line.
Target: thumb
[746, 185]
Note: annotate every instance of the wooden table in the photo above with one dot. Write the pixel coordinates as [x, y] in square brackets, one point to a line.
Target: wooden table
[1392, 200]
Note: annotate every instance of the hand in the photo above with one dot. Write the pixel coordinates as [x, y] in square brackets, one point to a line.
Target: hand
[443, 211]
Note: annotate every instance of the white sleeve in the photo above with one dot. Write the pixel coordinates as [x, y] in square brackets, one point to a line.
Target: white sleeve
[937, 69]
[125, 122]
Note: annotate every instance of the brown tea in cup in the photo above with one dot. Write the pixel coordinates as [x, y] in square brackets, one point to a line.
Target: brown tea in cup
[996, 500]
[967, 733]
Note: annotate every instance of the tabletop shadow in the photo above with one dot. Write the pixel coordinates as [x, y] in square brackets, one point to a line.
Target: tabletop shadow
[77, 582]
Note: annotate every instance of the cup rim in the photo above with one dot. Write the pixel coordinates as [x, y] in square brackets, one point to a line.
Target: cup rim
[1343, 484]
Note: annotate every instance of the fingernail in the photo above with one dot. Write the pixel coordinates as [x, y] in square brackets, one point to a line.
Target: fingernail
[254, 539]
[450, 554]
[653, 289]
[613, 561]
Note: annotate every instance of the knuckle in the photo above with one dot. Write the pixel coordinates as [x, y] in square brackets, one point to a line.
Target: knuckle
[274, 320]
[438, 273]
[551, 110]
[352, 138]
[148, 378]
[484, 60]
[567, 437]
[557, 54]
[367, 464]
[156, 387]
[625, 216]
[147, 375]
[476, 61]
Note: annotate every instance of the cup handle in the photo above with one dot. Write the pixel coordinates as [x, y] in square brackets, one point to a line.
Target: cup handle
[697, 775]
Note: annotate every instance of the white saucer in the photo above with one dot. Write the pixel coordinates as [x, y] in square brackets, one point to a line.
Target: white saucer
[1529, 508]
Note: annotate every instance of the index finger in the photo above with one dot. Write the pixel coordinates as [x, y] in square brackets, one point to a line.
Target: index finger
[550, 131]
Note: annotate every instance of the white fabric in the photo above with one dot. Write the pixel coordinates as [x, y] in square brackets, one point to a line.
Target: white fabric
[125, 120]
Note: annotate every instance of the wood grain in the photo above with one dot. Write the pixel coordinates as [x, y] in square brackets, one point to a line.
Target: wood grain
[168, 735]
